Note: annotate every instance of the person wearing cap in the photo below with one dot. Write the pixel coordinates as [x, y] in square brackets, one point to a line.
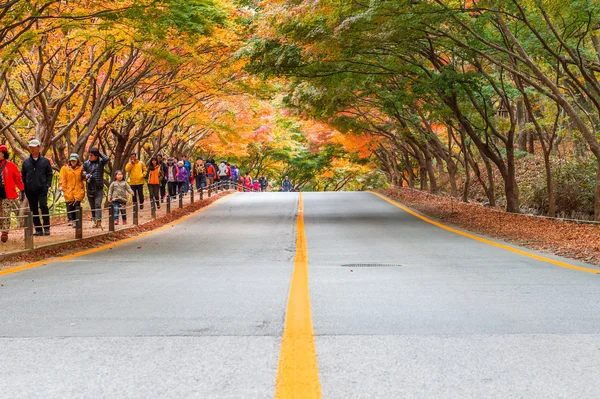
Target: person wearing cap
[37, 178]
[93, 174]
[10, 181]
[137, 175]
[73, 187]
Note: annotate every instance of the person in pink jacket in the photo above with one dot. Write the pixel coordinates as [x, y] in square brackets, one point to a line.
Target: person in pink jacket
[256, 186]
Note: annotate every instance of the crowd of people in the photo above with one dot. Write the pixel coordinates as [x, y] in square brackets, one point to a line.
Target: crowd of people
[77, 179]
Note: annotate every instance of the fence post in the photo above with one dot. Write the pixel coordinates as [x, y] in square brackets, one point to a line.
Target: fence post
[201, 193]
[168, 204]
[28, 230]
[180, 201]
[153, 209]
[210, 190]
[79, 224]
[111, 219]
[135, 214]
[192, 195]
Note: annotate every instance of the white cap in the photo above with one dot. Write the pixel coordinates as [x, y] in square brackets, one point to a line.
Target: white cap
[34, 143]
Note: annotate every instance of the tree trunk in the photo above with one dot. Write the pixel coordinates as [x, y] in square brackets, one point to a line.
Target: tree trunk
[549, 186]
[511, 187]
[466, 187]
[597, 194]
[452, 169]
[490, 191]
[409, 171]
[521, 117]
[433, 187]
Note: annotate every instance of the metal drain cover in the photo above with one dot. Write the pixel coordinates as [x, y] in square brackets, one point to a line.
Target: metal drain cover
[371, 265]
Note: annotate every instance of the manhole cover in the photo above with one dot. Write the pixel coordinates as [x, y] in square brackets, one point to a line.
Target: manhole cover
[371, 265]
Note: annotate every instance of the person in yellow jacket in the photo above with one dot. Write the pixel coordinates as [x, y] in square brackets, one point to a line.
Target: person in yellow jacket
[73, 186]
[137, 174]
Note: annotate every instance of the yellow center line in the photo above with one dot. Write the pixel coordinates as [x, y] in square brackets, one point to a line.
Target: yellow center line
[489, 242]
[298, 372]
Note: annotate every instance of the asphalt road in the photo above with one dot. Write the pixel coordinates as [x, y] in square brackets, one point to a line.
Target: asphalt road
[198, 310]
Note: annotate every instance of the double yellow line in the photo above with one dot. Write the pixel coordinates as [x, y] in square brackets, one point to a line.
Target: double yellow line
[298, 372]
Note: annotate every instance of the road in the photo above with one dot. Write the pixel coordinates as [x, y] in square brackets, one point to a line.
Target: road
[199, 310]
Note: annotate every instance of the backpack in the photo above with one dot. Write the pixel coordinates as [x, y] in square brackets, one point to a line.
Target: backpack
[222, 170]
[234, 174]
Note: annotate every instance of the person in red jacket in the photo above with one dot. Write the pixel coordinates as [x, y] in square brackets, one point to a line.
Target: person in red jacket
[10, 181]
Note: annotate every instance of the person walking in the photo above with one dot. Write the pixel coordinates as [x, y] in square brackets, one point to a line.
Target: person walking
[93, 174]
[171, 177]
[118, 194]
[235, 173]
[10, 181]
[199, 174]
[287, 185]
[182, 176]
[137, 174]
[72, 186]
[163, 182]
[211, 172]
[247, 182]
[155, 177]
[37, 177]
[188, 166]
[263, 182]
[224, 174]
[256, 186]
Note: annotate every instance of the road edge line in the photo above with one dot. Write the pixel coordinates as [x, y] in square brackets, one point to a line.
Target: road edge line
[298, 371]
[182, 219]
[486, 241]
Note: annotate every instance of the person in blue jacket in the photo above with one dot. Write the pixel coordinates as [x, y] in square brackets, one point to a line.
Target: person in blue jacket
[287, 185]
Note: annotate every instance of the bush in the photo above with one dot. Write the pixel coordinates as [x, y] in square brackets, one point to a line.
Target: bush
[573, 189]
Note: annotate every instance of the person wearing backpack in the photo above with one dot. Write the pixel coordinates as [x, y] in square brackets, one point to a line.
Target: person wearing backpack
[199, 174]
[263, 182]
[211, 172]
[287, 185]
[10, 181]
[37, 177]
[224, 174]
[235, 173]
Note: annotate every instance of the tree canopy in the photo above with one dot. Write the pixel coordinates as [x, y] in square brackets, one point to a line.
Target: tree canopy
[496, 101]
